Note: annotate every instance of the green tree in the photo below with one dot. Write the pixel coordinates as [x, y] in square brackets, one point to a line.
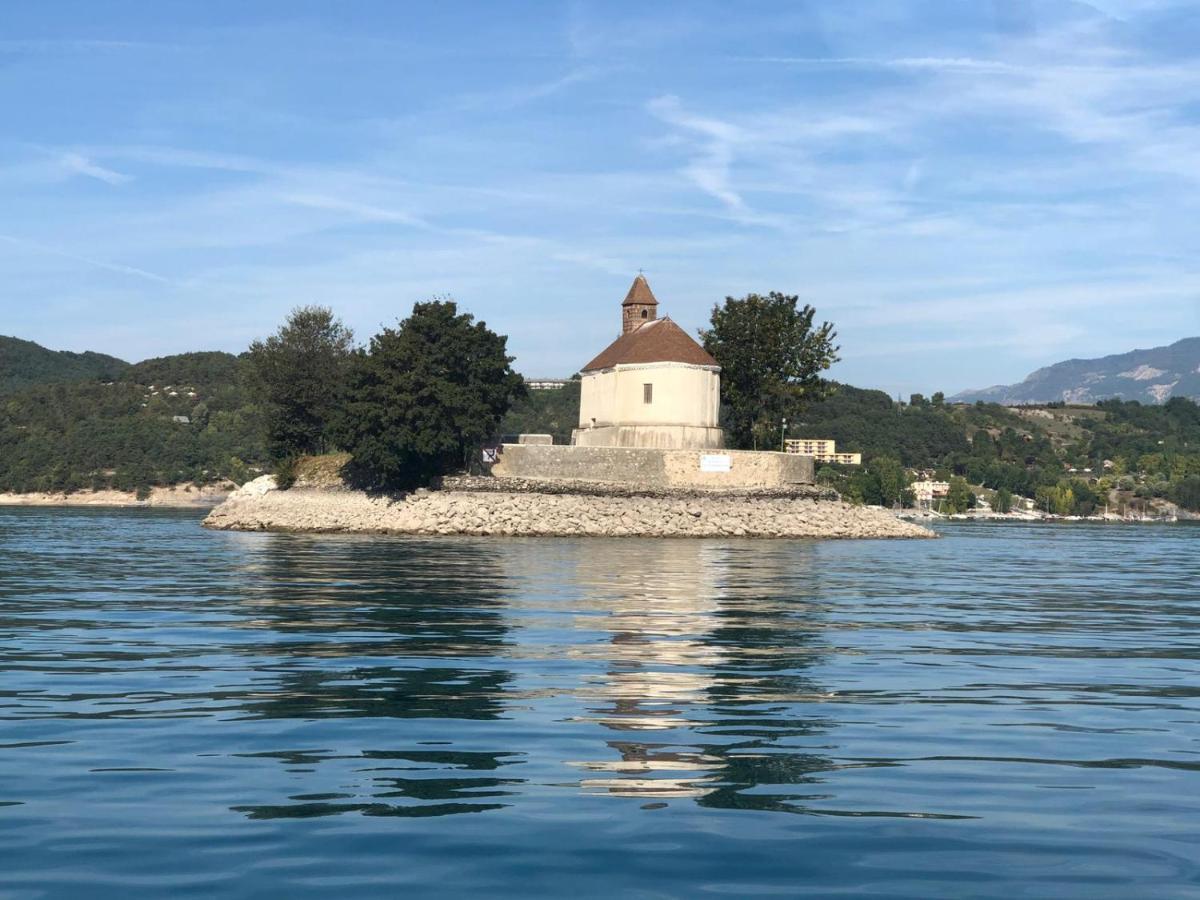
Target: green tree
[301, 371]
[1187, 493]
[199, 416]
[426, 396]
[771, 357]
[892, 479]
[1057, 499]
[959, 498]
[1002, 501]
[554, 412]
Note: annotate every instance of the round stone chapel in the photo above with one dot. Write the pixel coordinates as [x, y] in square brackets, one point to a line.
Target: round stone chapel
[654, 386]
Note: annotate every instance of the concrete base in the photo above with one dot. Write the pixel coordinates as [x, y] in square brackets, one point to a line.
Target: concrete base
[660, 437]
[704, 469]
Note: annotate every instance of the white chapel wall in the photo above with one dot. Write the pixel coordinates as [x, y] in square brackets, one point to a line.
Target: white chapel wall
[682, 394]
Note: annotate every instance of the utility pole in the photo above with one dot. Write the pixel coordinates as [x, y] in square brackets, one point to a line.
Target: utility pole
[783, 435]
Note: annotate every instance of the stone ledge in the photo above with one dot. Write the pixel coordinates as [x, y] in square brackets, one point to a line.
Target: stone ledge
[254, 508]
[512, 485]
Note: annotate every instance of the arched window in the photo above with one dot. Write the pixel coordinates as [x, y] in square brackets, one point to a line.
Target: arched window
[645, 312]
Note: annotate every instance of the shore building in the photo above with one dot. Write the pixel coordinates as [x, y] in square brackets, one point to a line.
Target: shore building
[822, 450]
[926, 491]
[653, 387]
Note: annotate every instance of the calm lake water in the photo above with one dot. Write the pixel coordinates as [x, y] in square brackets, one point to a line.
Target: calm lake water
[1012, 711]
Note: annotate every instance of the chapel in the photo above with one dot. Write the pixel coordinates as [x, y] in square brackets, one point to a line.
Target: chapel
[654, 386]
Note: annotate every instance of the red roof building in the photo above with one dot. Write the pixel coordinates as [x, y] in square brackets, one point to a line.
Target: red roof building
[655, 340]
[654, 386]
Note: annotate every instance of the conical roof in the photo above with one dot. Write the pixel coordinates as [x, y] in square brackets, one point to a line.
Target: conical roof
[658, 340]
[639, 293]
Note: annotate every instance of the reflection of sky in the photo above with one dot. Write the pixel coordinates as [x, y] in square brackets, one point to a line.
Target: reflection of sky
[670, 638]
[285, 715]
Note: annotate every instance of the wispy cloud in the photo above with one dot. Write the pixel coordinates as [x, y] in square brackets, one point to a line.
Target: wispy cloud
[78, 164]
[917, 63]
[360, 211]
[933, 183]
[511, 98]
[118, 268]
[710, 168]
[58, 45]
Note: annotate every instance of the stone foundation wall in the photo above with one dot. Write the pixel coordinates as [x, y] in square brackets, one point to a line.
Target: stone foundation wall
[703, 469]
[484, 484]
[658, 437]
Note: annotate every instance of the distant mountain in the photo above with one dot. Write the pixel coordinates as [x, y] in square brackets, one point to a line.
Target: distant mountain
[24, 363]
[1150, 376]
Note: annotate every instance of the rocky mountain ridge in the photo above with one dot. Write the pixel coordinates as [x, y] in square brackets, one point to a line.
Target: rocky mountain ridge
[1153, 376]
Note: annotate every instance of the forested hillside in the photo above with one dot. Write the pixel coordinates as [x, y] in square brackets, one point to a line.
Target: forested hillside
[195, 417]
[24, 363]
[179, 418]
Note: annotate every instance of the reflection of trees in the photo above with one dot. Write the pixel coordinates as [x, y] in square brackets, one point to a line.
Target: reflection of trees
[707, 657]
[376, 628]
[425, 796]
[363, 629]
[769, 624]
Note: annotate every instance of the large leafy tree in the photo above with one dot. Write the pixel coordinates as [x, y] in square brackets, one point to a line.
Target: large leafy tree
[771, 357]
[426, 396]
[301, 371]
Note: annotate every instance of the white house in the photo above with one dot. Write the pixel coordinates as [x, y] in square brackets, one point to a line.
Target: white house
[654, 386]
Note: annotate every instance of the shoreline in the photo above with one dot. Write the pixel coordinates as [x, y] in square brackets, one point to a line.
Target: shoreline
[260, 506]
[1112, 519]
[179, 496]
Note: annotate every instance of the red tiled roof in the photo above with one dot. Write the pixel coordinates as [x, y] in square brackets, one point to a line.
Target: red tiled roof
[659, 340]
[639, 293]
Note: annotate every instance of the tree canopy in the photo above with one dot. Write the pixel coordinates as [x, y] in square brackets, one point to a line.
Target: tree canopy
[425, 396]
[771, 357]
[554, 412]
[301, 371]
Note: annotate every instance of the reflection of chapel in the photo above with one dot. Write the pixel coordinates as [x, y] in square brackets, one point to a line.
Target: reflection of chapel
[654, 386]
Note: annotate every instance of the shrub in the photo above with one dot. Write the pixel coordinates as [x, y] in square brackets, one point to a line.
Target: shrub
[285, 472]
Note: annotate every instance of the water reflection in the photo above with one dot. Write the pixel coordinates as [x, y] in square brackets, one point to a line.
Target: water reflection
[319, 713]
[350, 629]
[704, 649]
[357, 630]
[423, 795]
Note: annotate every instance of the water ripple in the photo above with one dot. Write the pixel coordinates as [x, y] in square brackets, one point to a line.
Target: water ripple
[1014, 709]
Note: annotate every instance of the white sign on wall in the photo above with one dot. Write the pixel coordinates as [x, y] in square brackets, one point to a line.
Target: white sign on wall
[715, 462]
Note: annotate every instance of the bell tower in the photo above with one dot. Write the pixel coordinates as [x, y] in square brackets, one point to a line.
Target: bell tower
[638, 306]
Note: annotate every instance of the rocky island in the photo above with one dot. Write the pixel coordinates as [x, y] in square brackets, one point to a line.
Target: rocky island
[528, 509]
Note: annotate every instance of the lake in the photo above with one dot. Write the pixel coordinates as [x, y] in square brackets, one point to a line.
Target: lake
[1011, 711]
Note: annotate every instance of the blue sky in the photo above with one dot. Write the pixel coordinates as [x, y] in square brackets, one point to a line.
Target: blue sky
[968, 190]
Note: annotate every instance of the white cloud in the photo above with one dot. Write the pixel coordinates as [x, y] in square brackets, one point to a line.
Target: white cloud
[932, 190]
[709, 168]
[933, 63]
[363, 211]
[78, 164]
[86, 260]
